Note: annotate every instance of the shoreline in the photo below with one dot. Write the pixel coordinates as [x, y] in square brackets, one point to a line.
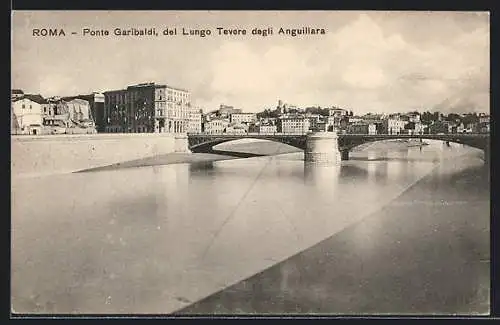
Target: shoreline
[224, 152]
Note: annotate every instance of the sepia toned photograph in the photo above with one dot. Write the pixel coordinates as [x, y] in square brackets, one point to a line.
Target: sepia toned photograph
[239, 163]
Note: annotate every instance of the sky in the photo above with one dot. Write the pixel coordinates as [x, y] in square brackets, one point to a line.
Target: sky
[367, 61]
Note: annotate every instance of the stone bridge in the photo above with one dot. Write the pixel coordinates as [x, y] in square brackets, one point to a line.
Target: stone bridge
[322, 146]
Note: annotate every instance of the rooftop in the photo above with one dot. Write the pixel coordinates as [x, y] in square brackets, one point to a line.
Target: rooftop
[146, 85]
[35, 98]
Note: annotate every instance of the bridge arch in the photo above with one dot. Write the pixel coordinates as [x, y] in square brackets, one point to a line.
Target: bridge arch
[478, 141]
[348, 142]
[205, 144]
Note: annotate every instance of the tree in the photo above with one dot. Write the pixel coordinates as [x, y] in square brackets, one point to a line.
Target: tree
[267, 113]
[470, 119]
[410, 126]
[453, 117]
[313, 110]
[438, 127]
[428, 117]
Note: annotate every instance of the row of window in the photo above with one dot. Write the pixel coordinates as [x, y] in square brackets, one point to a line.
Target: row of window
[139, 129]
[130, 98]
[294, 124]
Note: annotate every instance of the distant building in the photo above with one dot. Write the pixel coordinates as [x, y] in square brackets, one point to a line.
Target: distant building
[314, 120]
[147, 107]
[79, 113]
[394, 124]
[96, 105]
[267, 129]
[413, 117]
[472, 128]
[225, 111]
[484, 118]
[332, 122]
[216, 126]
[372, 118]
[68, 116]
[27, 114]
[320, 126]
[243, 117]
[337, 112]
[294, 125]
[236, 128]
[195, 121]
[362, 128]
[355, 119]
[484, 123]
[284, 108]
[281, 107]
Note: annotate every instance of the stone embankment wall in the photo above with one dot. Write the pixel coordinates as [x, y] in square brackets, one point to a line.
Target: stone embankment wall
[52, 154]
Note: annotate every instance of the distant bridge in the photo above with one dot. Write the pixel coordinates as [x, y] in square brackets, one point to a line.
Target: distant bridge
[345, 142]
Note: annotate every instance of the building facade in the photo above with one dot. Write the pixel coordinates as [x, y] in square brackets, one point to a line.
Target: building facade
[96, 106]
[195, 121]
[215, 126]
[225, 111]
[267, 129]
[236, 128]
[337, 112]
[147, 108]
[243, 117]
[293, 125]
[484, 123]
[362, 128]
[70, 115]
[394, 125]
[27, 114]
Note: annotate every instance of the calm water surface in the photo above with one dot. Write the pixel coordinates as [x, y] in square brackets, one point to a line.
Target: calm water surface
[155, 239]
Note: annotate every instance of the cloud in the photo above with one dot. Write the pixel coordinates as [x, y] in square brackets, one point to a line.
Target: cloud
[256, 76]
[374, 61]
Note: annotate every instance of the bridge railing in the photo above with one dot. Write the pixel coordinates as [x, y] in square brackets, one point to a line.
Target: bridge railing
[249, 134]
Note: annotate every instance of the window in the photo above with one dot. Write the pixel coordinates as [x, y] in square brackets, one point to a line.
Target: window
[23, 106]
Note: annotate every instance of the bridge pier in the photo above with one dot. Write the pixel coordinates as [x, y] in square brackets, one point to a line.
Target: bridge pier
[322, 147]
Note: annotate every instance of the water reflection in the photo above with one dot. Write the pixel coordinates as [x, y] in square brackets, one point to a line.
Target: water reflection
[350, 173]
[320, 175]
[373, 155]
[201, 167]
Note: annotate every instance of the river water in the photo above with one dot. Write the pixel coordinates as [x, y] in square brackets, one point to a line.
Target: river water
[156, 239]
